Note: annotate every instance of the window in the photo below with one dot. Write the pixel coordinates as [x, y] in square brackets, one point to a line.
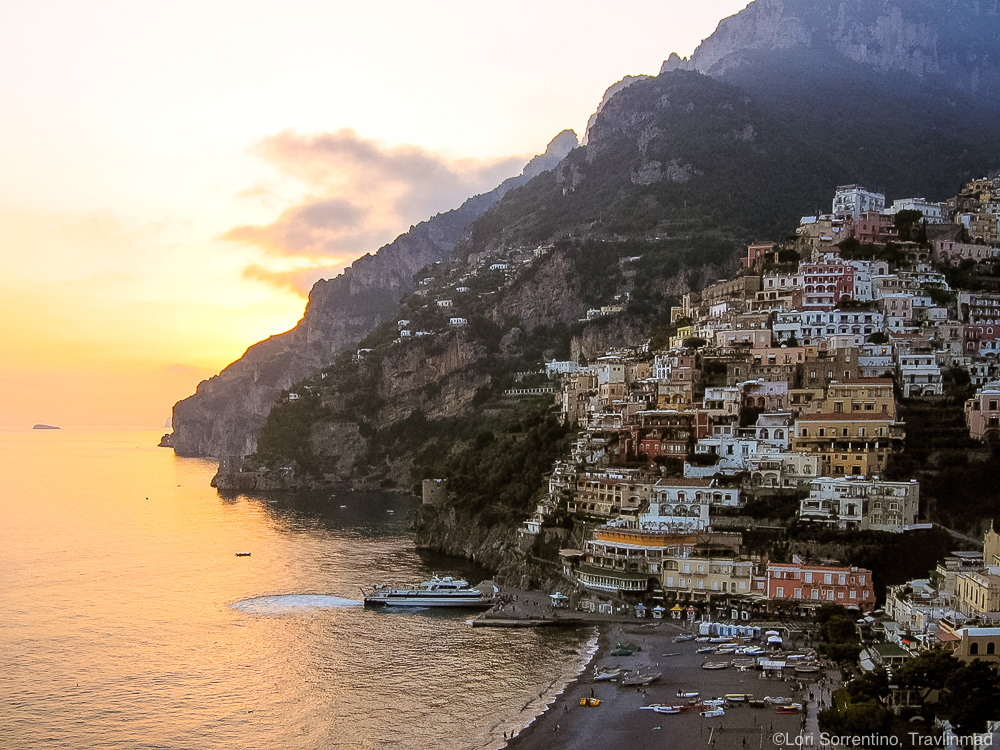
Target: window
[798, 593]
[809, 577]
[779, 592]
[973, 649]
[828, 578]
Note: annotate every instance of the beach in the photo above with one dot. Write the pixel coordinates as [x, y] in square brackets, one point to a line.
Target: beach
[619, 721]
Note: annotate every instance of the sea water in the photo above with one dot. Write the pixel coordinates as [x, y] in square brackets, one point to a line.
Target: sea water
[127, 620]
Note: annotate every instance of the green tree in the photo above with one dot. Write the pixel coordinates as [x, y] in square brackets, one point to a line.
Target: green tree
[973, 696]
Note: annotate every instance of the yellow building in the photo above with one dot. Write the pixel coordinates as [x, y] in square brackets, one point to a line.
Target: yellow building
[978, 593]
[608, 494]
[702, 572]
[862, 396]
[848, 444]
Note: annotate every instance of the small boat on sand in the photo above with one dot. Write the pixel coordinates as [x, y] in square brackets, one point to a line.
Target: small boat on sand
[662, 709]
[808, 668]
[602, 674]
[706, 650]
[790, 708]
[590, 702]
[715, 665]
[711, 713]
[640, 678]
[687, 694]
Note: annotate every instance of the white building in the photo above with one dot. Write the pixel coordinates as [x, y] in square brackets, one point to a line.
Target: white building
[851, 201]
[779, 470]
[814, 326]
[934, 213]
[919, 375]
[862, 503]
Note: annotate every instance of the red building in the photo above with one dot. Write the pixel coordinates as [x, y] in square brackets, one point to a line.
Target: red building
[758, 253]
[818, 584]
[826, 283]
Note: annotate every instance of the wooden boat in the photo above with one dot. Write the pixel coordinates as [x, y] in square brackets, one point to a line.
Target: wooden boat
[738, 697]
[755, 703]
[590, 702]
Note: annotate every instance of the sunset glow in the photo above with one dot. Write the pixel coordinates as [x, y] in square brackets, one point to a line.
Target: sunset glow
[176, 177]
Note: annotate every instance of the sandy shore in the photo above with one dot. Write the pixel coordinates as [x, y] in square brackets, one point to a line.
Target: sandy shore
[619, 722]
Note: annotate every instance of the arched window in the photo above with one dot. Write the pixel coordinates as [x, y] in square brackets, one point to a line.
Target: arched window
[779, 434]
[973, 649]
[764, 434]
[991, 648]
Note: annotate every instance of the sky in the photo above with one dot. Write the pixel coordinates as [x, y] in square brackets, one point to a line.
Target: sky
[175, 177]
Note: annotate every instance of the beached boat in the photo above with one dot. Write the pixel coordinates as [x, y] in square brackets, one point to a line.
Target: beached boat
[683, 638]
[662, 709]
[687, 694]
[755, 703]
[602, 674]
[790, 708]
[738, 697]
[590, 702]
[808, 668]
[437, 592]
[714, 702]
[775, 701]
[625, 649]
[745, 663]
[640, 678]
[715, 665]
[711, 713]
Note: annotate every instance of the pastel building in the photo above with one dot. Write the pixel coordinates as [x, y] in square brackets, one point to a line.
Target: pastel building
[818, 584]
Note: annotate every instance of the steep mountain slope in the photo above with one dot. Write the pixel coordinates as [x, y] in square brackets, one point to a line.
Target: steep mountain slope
[786, 100]
[226, 412]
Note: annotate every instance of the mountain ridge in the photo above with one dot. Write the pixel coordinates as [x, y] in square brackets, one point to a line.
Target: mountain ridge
[226, 411]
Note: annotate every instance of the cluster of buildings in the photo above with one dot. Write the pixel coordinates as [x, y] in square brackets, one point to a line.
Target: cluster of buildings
[782, 381]
[957, 607]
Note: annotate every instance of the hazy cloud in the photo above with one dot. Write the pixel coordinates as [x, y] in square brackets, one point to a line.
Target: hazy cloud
[359, 195]
[299, 281]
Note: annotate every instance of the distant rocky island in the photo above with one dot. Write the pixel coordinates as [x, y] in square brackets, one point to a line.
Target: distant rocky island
[45, 427]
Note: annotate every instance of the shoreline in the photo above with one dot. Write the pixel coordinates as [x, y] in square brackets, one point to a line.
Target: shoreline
[618, 722]
[550, 697]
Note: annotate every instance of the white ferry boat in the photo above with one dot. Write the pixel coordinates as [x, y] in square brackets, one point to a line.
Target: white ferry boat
[437, 592]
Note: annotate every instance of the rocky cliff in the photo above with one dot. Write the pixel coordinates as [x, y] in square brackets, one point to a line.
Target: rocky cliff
[226, 412]
[954, 43]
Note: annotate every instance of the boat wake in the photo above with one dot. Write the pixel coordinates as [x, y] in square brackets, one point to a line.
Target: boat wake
[283, 604]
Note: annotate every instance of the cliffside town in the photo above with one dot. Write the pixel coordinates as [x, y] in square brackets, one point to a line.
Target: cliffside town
[775, 400]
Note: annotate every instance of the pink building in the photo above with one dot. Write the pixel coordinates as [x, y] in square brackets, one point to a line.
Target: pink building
[818, 584]
[982, 413]
[826, 283]
[873, 228]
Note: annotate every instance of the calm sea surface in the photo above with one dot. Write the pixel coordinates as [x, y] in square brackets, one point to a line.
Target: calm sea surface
[127, 621]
